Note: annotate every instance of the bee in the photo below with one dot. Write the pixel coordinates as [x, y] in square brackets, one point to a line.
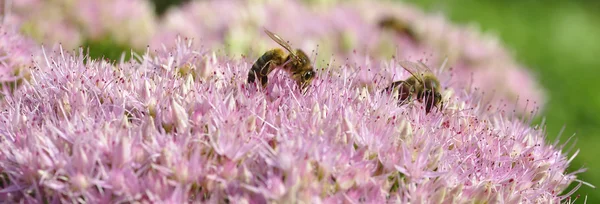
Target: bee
[396, 25]
[423, 83]
[296, 63]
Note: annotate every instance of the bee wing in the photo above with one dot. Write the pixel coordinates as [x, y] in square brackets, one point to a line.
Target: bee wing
[424, 68]
[280, 41]
[413, 68]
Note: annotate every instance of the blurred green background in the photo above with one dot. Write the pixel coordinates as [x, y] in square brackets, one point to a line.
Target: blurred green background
[558, 40]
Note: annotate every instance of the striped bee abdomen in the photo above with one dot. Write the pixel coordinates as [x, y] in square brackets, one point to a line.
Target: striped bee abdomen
[265, 65]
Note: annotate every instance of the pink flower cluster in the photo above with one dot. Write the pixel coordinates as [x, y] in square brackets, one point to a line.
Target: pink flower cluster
[345, 30]
[349, 30]
[71, 23]
[16, 58]
[181, 125]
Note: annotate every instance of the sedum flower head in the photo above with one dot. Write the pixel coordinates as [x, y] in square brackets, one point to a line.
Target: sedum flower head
[72, 23]
[345, 30]
[127, 22]
[16, 57]
[337, 30]
[47, 22]
[181, 125]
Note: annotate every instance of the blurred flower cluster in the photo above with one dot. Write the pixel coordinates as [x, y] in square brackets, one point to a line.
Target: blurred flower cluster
[73, 23]
[178, 123]
[16, 58]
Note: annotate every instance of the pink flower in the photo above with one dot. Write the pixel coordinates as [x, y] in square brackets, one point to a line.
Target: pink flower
[47, 22]
[161, 128]
[71, 23]
[16, 57]
[333, 34]
[131, 22]
[343, 33]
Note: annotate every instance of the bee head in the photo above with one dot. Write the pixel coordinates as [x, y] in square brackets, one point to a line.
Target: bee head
[308, 75]
[303, 77]
[302, 69]
[306, 79]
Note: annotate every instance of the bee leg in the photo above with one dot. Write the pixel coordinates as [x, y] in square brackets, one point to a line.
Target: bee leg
[431, 99]
[260, 73]
[251, 76]
[392, 86]
[405, 91]
[428, 105]
[264, 65]
[263, 81]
